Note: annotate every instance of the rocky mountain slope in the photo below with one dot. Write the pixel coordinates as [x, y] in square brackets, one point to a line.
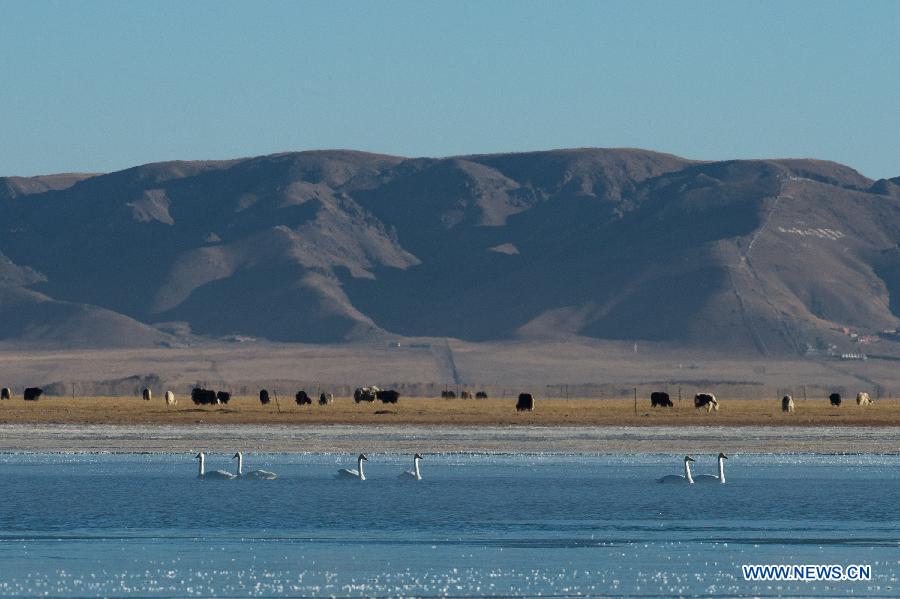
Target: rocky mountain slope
[764, 256]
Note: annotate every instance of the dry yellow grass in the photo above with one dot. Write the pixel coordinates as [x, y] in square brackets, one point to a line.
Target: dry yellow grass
[573, 412]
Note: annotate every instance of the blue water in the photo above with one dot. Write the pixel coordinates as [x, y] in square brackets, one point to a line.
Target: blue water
[562, 526]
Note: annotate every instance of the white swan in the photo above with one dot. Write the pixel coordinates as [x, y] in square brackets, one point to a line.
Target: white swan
[709, 478]
[350, 473]
[415, 474]
[678, 478]
[255, 474]
[215, 474]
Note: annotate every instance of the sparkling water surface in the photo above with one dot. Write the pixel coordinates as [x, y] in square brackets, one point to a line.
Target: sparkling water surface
[476, 526]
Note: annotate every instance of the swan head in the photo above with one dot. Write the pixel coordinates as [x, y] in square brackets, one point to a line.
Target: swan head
[363, 457]
[237, 455]
[418, 457]
[722, 456]
[688, 458]
[200, 456]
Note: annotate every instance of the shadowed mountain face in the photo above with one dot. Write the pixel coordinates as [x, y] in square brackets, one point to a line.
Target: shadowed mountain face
[764, 256]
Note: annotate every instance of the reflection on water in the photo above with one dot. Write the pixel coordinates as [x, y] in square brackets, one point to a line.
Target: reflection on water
[100, 525]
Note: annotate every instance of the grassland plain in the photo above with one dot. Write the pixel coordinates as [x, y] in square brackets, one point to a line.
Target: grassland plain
[440, 412]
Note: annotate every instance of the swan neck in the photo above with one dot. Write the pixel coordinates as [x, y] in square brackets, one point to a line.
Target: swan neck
[418, 473]
[687, 472]
[362, 475]
[202, 459]
[721, 470]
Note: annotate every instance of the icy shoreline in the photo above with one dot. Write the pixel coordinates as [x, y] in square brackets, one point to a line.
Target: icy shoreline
[458, 439]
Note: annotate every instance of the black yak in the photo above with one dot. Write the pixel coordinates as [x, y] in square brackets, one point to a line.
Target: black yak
[202, 396]
[525, 403]
[660, 399]
[388, 396]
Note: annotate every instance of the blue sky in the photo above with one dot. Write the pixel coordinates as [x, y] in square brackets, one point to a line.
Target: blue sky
[99, 86]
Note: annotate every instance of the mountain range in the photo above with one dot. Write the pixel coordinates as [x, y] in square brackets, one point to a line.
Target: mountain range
[770, 257]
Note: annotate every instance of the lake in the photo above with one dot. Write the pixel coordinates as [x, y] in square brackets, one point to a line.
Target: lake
[476, 526]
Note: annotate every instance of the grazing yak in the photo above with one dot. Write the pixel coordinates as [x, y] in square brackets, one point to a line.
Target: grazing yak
[707, 400]
[660, 399]
[835, 399]
[448, 395]
[525, 403]
[369, 394]
[5, 393]
[263, 396]
[32, 393]
[388, 396]
[326, 398]
[147, 394]
[203, 397]
[862, 399]
[481, 395]
[787, 404]
[303, 399]
[466, 395]
[223, 397]
[170, 399]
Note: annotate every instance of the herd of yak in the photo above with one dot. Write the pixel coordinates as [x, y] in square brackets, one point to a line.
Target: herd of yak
[31, 393]
[659, 399]
[200, 396]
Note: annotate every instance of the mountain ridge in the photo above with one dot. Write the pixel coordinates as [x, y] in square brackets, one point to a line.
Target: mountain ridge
[763, 256]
